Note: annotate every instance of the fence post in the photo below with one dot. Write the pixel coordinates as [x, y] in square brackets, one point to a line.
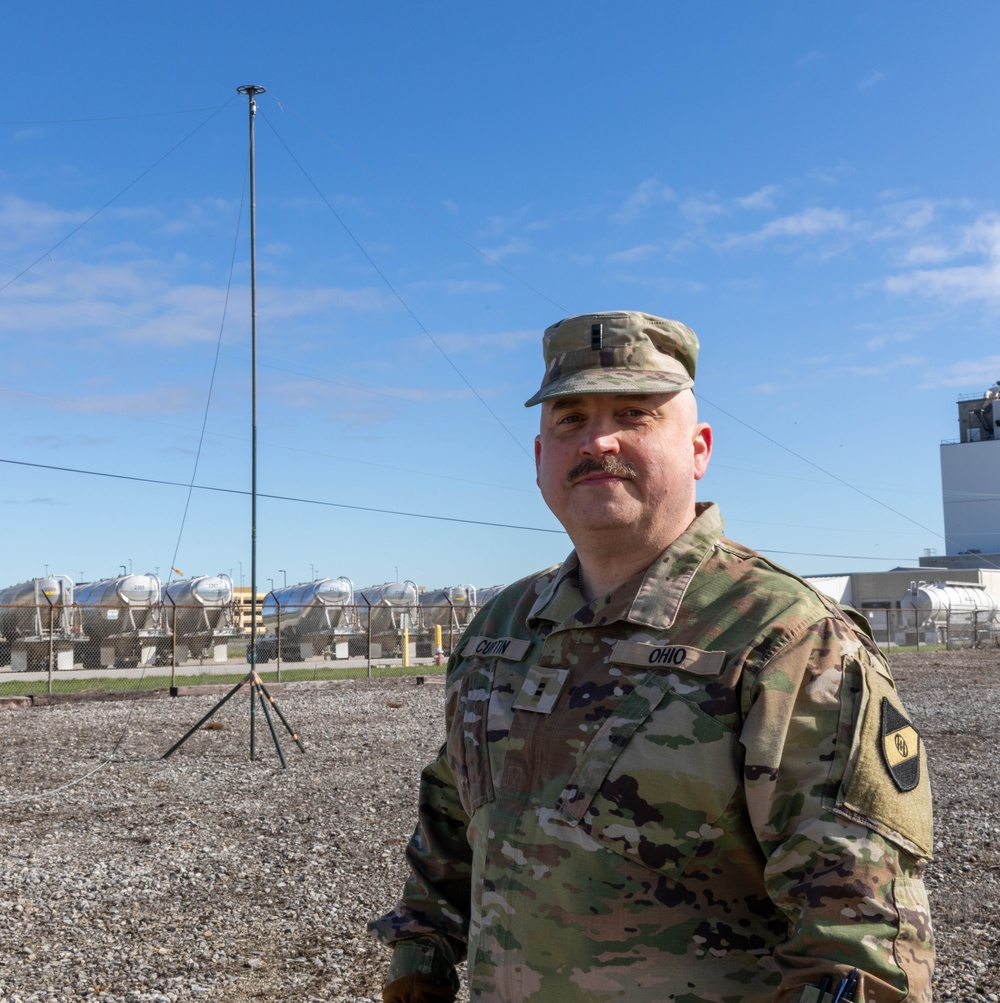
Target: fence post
[277, 644]
[451, 626]
[368, 632]
[173, 646]
[52, 611]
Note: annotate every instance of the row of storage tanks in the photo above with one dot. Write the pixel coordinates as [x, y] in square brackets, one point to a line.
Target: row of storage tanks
[135, 620]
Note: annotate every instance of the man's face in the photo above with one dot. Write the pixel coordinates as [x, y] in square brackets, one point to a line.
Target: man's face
[622, 464]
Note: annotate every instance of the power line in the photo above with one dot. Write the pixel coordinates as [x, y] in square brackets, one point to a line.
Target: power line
[288, 498]
[383, 511]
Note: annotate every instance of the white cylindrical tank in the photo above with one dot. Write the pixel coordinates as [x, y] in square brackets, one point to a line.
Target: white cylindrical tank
[948, 611]
[389, 594]
[24, 608]
[311, 618]
[116, 607]
[389, 608]
[206, 590]
[140, 591]
[452, 607]
[325, 591]
[202, 605]
[935, 600]
[483, 596]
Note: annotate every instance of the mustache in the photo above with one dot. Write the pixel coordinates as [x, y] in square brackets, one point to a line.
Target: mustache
[605, 465]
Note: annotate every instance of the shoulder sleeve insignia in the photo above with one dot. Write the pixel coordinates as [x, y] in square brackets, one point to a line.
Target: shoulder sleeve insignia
[886, 785]
[900, 747]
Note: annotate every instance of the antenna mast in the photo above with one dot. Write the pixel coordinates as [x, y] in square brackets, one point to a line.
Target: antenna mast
[257, 688]
[251, 91]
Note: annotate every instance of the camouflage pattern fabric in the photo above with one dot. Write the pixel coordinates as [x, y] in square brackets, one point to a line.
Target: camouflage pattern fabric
[701, 787]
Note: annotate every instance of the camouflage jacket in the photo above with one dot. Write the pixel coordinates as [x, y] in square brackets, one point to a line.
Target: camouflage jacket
[700, 787]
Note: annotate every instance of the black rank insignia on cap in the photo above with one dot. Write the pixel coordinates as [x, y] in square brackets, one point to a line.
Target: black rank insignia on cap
[900, 747]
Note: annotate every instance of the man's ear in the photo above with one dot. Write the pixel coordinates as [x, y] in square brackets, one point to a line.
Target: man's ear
[538, 455]
[702, 442]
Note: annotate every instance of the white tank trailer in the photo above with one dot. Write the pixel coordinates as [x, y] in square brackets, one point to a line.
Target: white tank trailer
[123, 620]
[483, 596]
[452, 609]
[960, 614]
[384, 613]
[198, 616]
[311, 618]
[38, 624]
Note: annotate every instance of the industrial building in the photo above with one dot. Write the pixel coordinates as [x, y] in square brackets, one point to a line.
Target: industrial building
[964, 582]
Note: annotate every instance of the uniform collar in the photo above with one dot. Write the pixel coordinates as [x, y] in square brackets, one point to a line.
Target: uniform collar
[650, 598]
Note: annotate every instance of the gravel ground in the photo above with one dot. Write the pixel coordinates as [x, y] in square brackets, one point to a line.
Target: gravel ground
[125, 877]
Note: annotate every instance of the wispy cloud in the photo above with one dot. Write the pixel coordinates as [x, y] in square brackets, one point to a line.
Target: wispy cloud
[701, 210]
[22, 221]
[515, 245]
[642, 198]
[763, 198]
[807, 224]
[633, 254]
[884, 340]
[460, 287]
[833, 175]
[885, 367]
[68, 441]
[978, 281]
[874, 78]
[458, 341]
[969, 374]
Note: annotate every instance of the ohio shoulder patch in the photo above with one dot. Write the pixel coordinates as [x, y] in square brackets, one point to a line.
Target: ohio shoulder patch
[900, 746]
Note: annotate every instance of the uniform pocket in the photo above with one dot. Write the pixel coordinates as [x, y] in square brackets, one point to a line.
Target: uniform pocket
[468, 745]
[655, 779]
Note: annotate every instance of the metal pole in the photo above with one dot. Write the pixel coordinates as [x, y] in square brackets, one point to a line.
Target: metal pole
[173, 647]
[251, 91]
[52, 611]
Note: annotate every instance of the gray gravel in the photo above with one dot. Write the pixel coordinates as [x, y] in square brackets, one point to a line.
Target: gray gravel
[208, 877]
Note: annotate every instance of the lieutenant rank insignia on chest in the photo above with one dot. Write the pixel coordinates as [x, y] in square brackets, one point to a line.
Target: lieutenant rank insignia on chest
[900, 745]
[540, 690]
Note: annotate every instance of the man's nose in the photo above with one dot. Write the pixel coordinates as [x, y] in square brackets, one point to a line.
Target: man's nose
[601, 439]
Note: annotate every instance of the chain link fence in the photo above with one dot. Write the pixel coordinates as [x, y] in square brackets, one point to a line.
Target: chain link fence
[937, 630]
[49, 648]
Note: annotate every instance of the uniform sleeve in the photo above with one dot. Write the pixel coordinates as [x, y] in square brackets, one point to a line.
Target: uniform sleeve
[838, 795]
[428, 927]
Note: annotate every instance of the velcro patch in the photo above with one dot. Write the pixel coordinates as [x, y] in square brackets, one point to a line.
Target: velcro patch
[541, 689]
[668, 656]
[884, 785]
[900, 746]
[513, 648]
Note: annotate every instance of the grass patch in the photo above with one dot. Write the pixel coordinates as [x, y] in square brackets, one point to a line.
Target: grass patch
[156, 680]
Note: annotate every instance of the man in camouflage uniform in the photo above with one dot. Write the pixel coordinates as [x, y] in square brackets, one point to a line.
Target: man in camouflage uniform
[673, 770]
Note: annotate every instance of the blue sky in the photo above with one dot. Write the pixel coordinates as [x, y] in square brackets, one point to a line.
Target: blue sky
[811, 188]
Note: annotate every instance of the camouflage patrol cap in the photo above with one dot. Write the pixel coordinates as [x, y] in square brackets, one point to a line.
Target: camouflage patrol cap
[616, 353]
